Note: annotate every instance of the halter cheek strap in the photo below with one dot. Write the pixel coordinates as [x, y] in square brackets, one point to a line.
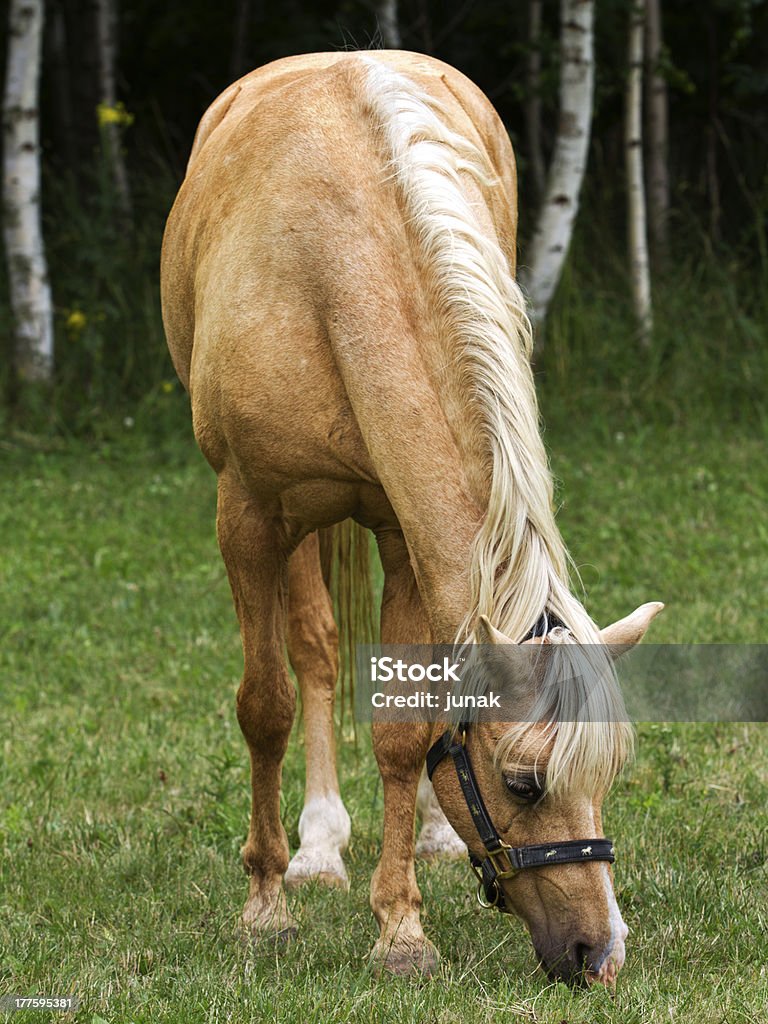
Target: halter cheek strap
[503, 860]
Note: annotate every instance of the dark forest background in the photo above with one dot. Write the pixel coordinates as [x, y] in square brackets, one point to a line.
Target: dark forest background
[174, 58]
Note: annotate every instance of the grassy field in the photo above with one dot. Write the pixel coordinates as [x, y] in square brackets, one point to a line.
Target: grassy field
[123, 780]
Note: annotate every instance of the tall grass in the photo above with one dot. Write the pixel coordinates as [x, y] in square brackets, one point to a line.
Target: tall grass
[708, 358]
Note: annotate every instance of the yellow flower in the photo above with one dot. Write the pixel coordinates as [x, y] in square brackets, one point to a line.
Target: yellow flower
[113, 115]
[76, 321]
[167, 387]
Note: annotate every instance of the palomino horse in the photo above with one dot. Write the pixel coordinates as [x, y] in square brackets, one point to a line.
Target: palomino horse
[339, 300]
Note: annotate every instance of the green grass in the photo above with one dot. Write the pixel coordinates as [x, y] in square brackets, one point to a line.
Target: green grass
[123, 779]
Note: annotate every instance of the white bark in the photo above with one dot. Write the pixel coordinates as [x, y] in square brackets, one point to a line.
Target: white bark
[22, 227]
[386, 14]
[554, 227]
[533, 97]
[658, 132]
[633, 142]
[106, 34]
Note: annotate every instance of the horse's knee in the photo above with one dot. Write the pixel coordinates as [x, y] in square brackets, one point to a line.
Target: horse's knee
[265, 712]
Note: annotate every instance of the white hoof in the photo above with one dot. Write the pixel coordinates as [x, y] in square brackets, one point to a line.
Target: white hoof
[322, 866]
[324, 830]
[439, 841]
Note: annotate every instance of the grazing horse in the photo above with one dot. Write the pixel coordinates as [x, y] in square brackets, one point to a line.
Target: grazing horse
[339, 297]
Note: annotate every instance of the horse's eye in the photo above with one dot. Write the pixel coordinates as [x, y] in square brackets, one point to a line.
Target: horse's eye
[522, 788]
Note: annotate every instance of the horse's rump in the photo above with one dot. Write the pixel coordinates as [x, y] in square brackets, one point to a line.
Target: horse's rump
[298, 304]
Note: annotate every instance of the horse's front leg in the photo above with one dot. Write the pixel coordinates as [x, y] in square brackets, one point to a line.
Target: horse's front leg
[400, 751]
[402, 946]
[256, 564]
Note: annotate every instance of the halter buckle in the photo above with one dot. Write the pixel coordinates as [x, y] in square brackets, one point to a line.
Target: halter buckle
[503, 868]
[489, 892]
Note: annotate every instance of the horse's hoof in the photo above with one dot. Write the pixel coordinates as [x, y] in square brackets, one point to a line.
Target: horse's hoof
[265, 940]
[440, 843]
[410, 962]
[281, 938]
[327, 879]
[266, 919]
[324, 869]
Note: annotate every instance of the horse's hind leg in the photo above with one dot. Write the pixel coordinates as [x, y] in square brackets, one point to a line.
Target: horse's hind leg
[437, 838]
[324, 825]
[256, 564]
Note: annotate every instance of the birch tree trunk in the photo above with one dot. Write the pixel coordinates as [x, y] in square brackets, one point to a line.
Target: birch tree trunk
[30, 291]
[633, 144]
[533, 98]
[107, 35]
[658, 133]
[552, 237]
[386, 14]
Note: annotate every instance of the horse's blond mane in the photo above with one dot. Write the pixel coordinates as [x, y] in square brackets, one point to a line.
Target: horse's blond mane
[519, 564]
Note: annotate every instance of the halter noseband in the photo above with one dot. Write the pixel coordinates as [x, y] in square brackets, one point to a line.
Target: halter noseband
[503, 860]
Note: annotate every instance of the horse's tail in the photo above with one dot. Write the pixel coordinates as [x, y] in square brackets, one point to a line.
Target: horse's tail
[345, 552]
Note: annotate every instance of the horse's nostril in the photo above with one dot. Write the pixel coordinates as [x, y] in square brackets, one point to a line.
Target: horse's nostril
[580, 956]
[578, 964]
[567, 966]
[590, 961]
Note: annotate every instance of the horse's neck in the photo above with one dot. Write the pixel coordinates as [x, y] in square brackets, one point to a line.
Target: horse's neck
[410, 427]
[453, 391]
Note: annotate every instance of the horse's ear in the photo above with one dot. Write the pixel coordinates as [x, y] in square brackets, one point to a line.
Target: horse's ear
[500, 655]
[630, 630]
[488, 634]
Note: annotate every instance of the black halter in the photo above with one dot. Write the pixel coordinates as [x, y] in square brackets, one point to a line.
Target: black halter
[503, 860]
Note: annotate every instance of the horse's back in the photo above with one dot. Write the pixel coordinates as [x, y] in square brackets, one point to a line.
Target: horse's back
[312, 68]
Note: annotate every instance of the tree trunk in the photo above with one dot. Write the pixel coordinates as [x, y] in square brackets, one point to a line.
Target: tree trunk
[107, 34]
[713, 177]
[80, 22]
[386, 15]
[22, 228]
[533, 98]
[633, 144]
[238, 57]
[658, 135]
[554, 227]
[56, 62]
